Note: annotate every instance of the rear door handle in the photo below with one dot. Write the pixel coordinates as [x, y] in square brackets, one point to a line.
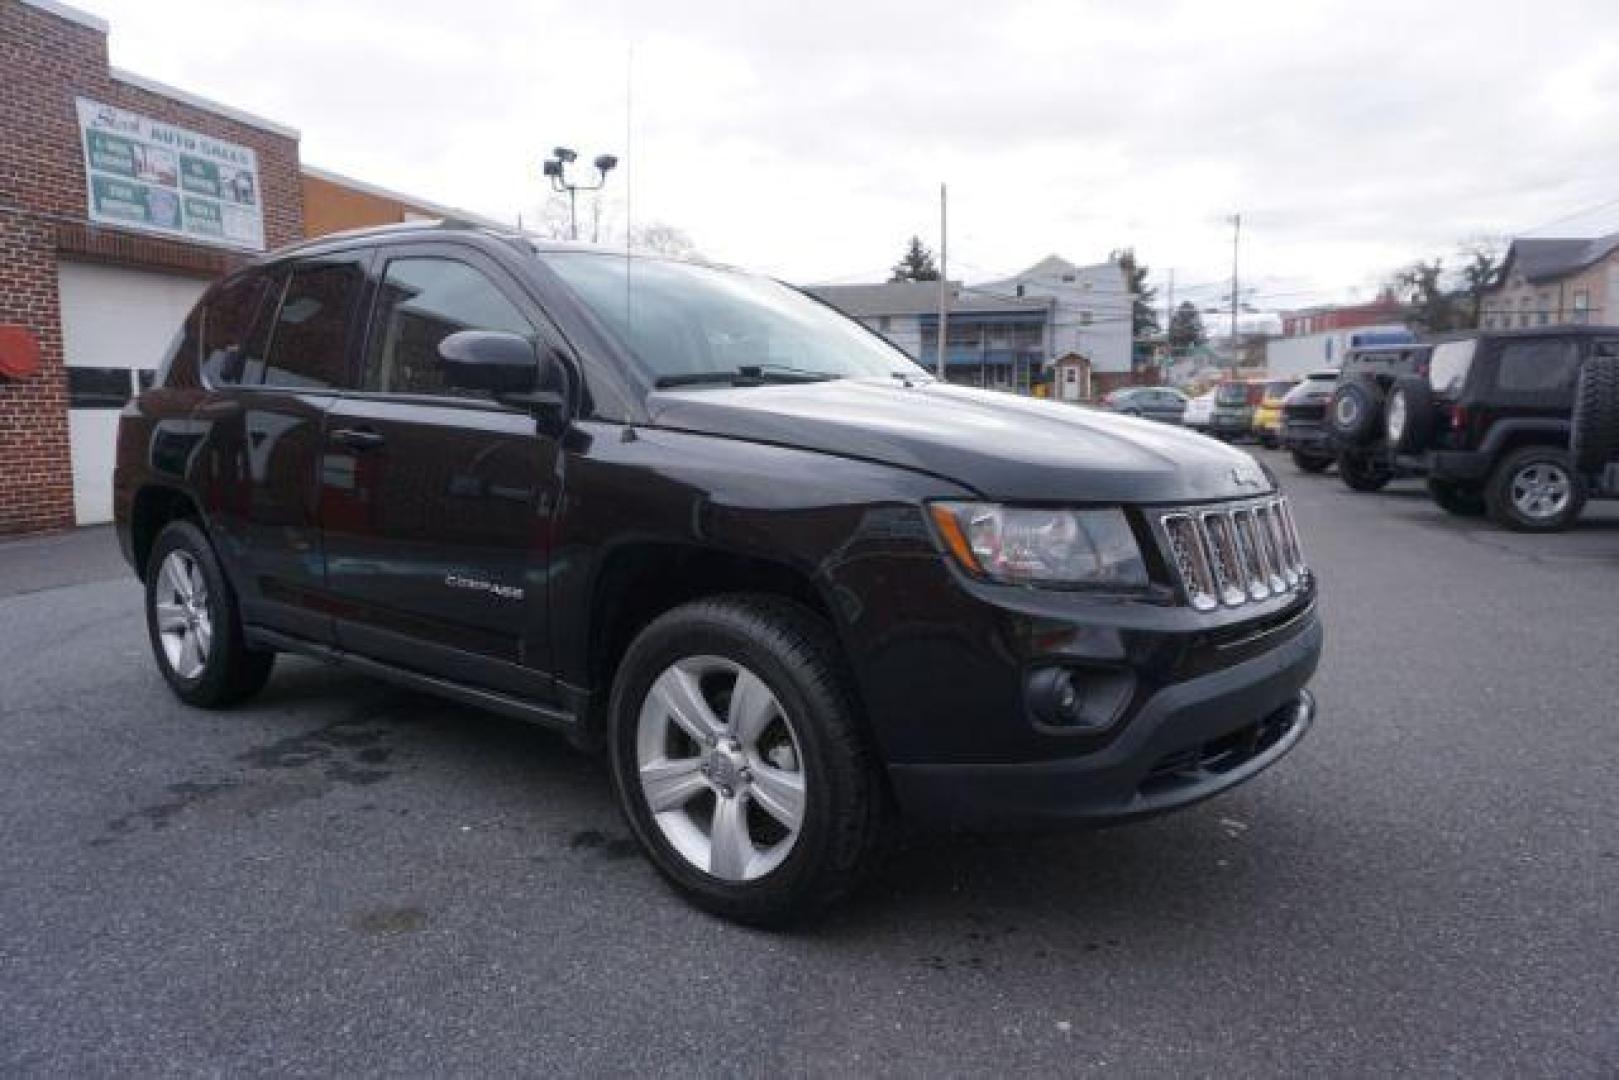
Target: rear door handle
[358, 438]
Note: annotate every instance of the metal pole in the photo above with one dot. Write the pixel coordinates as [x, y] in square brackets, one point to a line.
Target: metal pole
[944, 286]
[1236, 234]
[573, 214]
[1169, 319]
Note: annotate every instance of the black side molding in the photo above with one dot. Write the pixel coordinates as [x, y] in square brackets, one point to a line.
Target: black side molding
[517, 708]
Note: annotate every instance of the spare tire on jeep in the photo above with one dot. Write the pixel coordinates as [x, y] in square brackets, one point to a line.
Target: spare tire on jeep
[1408, 416]
[1355, 410]
[1595, 437]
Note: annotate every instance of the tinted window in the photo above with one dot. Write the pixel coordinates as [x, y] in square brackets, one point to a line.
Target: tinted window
[1231, 394]
[1538, 365]
[422, 302]
[310, 335]
[227, 319]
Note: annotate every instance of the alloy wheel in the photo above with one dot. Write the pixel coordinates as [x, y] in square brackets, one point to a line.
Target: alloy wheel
[1541, 490]
[180, 604]
[720, 768]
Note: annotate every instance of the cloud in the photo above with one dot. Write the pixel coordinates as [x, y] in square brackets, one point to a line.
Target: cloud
[808, 140]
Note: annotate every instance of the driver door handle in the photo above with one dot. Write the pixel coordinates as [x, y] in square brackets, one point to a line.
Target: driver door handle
[362, 438]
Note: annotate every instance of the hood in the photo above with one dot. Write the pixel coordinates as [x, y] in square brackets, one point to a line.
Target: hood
[999, 445]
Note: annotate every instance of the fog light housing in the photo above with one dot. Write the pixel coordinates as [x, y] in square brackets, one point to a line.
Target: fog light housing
[1069, 700]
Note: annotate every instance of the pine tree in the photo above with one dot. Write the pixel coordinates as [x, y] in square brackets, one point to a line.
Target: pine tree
[1144, 311]
[916, 264]
[1186, 327]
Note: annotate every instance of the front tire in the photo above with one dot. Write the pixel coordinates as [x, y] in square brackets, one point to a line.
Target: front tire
[1535, 489]
[1362, 474]
[738, 759]
[195, 625]
[1307, 463]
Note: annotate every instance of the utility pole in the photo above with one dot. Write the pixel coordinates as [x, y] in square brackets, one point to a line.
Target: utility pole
[944, 285]
[1236, 294]
[1169, 319]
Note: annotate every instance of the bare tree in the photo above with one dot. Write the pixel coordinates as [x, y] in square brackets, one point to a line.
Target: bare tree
[660, 238]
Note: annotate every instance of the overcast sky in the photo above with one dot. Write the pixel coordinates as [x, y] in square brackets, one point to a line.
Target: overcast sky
[808, 139]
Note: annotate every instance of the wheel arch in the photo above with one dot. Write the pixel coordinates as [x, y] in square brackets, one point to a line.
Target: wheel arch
[154, 506]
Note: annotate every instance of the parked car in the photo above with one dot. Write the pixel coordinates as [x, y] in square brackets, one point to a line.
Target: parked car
[1304, 430]
[1153, 402]
[1522, 424]
[786, 580]
[1355, 415]
[1199, 412]
[1233, 415]
[1268, 413]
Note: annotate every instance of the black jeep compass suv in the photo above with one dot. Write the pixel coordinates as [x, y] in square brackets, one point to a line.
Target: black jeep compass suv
[787, 581]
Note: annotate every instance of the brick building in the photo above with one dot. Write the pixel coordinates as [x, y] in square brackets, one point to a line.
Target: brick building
[120, 200]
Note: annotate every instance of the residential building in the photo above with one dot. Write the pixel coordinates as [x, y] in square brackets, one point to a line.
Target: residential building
[1546, 281]
[1385, 310]
[995, 341]
[1009, 333]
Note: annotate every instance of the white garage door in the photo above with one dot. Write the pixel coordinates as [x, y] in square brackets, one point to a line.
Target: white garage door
[116, 326]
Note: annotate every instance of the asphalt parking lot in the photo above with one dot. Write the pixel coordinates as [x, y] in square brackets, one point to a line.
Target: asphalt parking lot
[346, 878]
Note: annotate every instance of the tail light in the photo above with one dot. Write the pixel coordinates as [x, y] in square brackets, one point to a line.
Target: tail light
[1458, 418]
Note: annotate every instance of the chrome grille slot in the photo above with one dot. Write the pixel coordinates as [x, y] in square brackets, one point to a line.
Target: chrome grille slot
[1248, 553]
[1234, 554]
[1221, 539]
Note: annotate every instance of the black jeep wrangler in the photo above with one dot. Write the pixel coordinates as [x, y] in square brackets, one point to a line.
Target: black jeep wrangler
[1354, 414]
[1522, 424]
[788, 581]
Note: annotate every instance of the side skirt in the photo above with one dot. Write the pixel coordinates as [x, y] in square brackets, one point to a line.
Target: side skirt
[517, 708]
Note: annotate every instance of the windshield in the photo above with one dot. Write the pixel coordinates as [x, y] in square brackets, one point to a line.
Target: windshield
[680, 320]
[1448, 366]
[1231, 394]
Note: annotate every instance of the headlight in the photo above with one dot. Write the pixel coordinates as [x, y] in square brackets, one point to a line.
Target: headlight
[1041, 547]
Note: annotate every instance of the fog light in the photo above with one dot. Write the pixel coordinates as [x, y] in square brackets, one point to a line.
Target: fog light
[1055, 698]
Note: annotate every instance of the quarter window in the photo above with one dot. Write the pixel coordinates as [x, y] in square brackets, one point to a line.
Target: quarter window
[228, 320]
[422, 302]
[309, 341]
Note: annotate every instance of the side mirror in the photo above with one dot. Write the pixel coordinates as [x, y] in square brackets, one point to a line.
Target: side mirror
[490, 360]
[506, 365]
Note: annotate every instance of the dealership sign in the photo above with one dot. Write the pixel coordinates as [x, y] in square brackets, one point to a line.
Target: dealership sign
[148, 175]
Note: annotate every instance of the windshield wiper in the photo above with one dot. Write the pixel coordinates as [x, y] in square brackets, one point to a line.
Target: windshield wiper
[744, 375]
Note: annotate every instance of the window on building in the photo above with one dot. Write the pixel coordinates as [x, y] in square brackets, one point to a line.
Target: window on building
[1020, 289]
[1523, 310]
[1543, 314]
[1538, 365]
[228, 320]
[309, 341]
[97, 388]
[1582, 306]
[884, 323]
[1084, 318]
[1068, 279]
[423, 301]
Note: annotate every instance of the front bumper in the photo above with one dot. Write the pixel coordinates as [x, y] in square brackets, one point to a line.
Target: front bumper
[1191, 740]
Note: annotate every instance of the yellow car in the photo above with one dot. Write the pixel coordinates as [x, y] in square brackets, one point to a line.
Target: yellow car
[1268, 413]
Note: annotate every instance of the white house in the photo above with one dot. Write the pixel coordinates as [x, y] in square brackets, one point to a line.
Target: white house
[1090, 312]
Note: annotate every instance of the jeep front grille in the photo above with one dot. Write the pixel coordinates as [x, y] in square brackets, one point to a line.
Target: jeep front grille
[1236, 553]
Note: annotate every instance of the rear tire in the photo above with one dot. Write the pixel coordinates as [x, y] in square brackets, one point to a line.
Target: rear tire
[1535, 489]
[1307, 464]
[1409, 415]
[1360, 473]
[195, 624]
[1463, 500]
[717, 837]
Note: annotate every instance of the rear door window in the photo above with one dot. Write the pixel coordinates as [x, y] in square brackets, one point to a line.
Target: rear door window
[309, 338]
[1538, 366]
